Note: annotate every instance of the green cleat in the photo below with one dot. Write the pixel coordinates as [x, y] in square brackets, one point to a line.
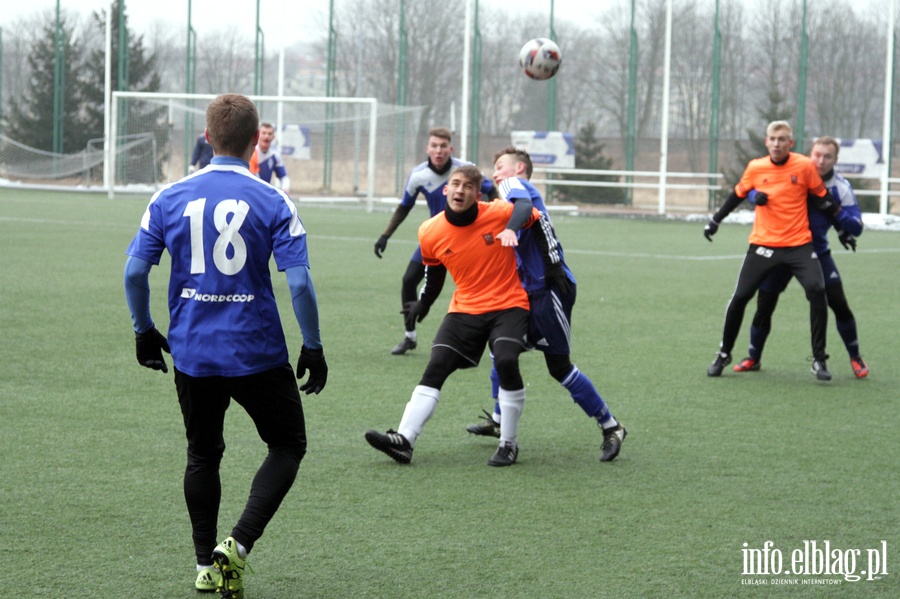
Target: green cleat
[208, 579]
[231, 565]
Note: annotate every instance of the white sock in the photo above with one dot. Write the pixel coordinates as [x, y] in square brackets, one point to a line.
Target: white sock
[411, 335]
[418, 410]
[512, 403]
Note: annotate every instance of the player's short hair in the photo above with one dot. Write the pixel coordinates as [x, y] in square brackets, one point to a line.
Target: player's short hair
[441, 132]
[266, 125]
[776, 125]
[518, 155]
[827, 140]
[232, 121]
[471, 173]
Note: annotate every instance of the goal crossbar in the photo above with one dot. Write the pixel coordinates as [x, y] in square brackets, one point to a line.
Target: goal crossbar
[109, 155]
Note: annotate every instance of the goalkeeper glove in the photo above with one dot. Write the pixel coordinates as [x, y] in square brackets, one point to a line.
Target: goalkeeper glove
[314, 361]
[414, 312]
[381, 245]
[149, 347]
[847, 240]
[710, 229]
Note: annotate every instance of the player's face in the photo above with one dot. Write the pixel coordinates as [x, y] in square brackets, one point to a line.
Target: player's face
[505, 167]
[824, 157]
[461, 193]
[266, 135]
[439, 151]
[779, 143]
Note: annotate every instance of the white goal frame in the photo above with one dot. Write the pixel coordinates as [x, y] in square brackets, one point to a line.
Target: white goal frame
[109, 158]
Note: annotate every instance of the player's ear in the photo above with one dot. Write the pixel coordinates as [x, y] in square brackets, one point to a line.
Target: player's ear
[445, 190]
[255, 138]
[206, 133]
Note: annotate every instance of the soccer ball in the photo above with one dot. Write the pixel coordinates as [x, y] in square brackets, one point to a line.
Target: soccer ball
[540, 58]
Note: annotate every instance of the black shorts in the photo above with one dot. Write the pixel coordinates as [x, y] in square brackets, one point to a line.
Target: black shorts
[467, 334]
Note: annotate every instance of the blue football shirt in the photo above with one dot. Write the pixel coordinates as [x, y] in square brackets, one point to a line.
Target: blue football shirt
[221, 226]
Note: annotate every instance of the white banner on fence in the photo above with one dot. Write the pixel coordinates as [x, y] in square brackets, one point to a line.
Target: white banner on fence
[547, 148]
[860, 158]
[295, 142]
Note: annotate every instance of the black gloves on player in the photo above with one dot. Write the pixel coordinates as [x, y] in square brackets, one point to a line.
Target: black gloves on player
[381, 245]
[314, 360]
[414, 312]
[555, 278]
[760, 199]
[710, 229]
[847, 240]
[149, 347]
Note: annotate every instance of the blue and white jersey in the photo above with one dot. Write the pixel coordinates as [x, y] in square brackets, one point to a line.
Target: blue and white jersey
[850, 216]
[270, 162]
[528, 253]
[424, 180]
[221, 226]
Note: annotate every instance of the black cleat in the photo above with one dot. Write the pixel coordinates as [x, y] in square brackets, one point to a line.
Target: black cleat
[392, 443]
[505, 455]
[404, 346]
[722, 360]
[612, 443]
[820, 370]
[486, 428]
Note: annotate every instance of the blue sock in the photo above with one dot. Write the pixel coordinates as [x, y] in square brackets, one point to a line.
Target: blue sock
[758, 338]
[585, 395]
[847, 331]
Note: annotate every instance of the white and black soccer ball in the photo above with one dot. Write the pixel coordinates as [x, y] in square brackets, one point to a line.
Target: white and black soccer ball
[540, 58]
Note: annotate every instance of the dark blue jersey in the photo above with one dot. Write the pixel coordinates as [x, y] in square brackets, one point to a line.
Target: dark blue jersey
[221, 226]
[423, 180]
[530, 256]
[849, 218]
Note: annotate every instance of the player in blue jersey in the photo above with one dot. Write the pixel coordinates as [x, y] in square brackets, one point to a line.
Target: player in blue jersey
[551, 294]
[203, 153]
[269, 160]
[428, 179]
[221, 225]
[824, 154]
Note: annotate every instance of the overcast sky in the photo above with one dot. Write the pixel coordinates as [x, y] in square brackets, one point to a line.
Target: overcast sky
[298, 17]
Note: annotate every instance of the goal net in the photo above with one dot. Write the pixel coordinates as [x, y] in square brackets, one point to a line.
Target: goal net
[332, 147]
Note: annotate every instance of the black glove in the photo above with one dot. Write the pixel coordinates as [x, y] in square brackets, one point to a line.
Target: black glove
[761, 199]
[710, 229]
[314, 360]
[414, 312]
[149, 347]
[847, 240]
[555, 278]
[381, 245]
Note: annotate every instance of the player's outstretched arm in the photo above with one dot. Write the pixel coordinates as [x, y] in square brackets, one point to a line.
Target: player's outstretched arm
[306, 311]
[731, 202]
[149, 342]
[416, 311]
[398, 217]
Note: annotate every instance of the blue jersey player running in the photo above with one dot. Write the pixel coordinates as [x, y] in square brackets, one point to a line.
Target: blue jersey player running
[824, 155]
[221, 226]
[551, 295]
[428, 179]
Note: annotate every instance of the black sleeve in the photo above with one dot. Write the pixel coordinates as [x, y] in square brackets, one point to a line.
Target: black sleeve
[398, 217]
[434, 283]
[521, 213]
[545, 238]
[731, 202]
[826, 204]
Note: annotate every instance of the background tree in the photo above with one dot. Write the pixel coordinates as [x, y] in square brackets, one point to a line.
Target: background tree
[589, 155]
[30, 119]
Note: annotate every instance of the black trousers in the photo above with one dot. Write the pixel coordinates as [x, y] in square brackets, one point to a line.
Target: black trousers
[804, 265]
[272, 401]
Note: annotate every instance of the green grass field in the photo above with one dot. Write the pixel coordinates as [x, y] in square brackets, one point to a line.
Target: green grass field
[92, 447]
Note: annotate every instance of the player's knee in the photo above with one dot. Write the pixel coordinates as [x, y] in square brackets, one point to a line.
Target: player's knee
[442, 363]
[506, 361]
[558, 366]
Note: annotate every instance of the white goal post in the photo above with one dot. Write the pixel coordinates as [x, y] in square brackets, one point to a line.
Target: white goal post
[334, 124]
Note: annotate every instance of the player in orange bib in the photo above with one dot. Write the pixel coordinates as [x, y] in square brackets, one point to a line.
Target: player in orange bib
[475, 241]
[786, 182]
